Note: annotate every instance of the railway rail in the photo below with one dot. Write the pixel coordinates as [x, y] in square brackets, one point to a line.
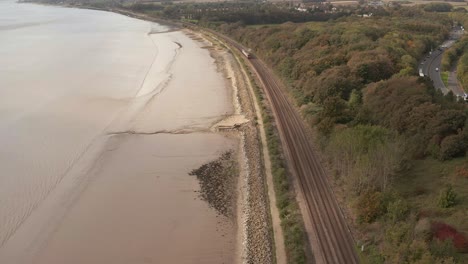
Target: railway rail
[333, 240]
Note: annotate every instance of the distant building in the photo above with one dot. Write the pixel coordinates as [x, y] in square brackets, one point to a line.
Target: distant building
[365, 15]
[376, 3]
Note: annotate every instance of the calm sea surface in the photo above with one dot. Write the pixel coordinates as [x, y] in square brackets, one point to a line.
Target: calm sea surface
[65, 75]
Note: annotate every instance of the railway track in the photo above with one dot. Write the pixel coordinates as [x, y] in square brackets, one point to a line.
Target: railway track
[335, 243]
[333, 240]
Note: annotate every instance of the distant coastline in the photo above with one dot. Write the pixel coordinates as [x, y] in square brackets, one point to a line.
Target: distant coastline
[175, 25]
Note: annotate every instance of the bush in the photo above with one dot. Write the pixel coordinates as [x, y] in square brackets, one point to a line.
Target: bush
[453, 146]
[397, 210]
[369, 206]
[374, 256]
[442, 249]
[422, 230]
[460, 242]
[442, 231]
[418, 252]
[462, 171]
[448, 234]
[398, 234]
[447, 197]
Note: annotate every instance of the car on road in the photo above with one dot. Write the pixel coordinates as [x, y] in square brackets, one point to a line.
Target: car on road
[463, 97]
[437, 69]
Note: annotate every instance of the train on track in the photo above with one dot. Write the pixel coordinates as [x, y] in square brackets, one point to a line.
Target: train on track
[247, 53]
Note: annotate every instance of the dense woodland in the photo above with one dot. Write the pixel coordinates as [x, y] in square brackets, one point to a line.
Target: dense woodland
[356, 71]
[248, 12]
[355, 81]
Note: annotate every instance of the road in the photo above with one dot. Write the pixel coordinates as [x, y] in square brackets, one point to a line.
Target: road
[431, 64]
[329, 234]
[432, 67]
[454, 84]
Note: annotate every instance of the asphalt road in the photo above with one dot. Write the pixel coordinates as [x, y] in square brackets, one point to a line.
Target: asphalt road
[431, 64]
[331, 240]
[434, 70]
[454, 84]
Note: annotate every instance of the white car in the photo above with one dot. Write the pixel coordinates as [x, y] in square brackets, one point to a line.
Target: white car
[437, 69]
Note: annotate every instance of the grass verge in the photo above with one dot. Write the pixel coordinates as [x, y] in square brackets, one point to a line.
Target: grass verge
[290, 215]
[444, 75]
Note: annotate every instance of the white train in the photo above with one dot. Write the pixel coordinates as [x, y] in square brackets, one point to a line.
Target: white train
[246, 53]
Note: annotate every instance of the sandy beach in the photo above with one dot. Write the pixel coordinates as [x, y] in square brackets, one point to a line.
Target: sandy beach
[104, 178]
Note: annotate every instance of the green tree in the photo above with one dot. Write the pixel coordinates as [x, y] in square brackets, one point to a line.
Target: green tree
[447, 197]
[369, 206]
[453, 146]
[397, 210]
[438, 7]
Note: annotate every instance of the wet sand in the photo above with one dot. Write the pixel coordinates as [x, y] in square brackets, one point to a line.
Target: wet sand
[104, 177]
[142, 207]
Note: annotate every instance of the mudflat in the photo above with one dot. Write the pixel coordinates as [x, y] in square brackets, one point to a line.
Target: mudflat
[143, 207]
[102, 126]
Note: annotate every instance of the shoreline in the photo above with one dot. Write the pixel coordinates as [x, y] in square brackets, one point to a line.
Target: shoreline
[254, 240]
[81, 206]
[256, 237]
[252, 149]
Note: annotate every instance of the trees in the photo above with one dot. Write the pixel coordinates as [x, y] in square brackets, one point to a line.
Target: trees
[367, 157]
[408, 65]
[438, 7]
[453, 146]
[334, 58]
[392, 102]
[249, 13]
[354, 81]
[369, 206]
[337, 81]
[371, 66]
[397, 210]
[447, 197]
[405, 105]
[462, 70]
[453, 53]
